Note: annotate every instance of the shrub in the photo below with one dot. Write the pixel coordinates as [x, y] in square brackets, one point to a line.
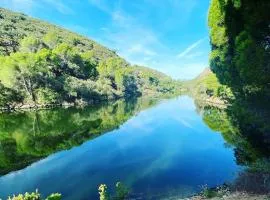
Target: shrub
[35, 196]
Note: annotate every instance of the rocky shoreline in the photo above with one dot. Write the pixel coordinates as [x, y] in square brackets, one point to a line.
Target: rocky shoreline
[232, 196]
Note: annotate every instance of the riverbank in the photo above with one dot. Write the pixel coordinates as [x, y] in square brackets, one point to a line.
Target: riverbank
[25, 107]
[29, 107]
[233, 196]
[228, 192]
[206, 89]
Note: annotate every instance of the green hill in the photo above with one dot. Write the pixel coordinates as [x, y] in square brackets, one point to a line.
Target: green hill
[206, 87]
[45, 64]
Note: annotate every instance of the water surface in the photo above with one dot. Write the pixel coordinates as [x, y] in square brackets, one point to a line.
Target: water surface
[163, 151]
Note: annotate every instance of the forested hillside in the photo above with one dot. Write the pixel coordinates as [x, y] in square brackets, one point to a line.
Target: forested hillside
[44, 64]
[240, 38]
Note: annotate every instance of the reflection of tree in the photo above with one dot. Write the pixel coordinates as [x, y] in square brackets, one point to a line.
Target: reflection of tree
[247, 129]
[258, 183]
[28, 136]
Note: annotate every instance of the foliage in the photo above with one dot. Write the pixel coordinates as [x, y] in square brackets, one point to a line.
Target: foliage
[34, 196]
[208, 192]
[54, 196]
[44, 64]
[26, 196]
[121, 192]
[240, 57]
[217, 193]
[206, 85]
[9, 96]
[103, 194]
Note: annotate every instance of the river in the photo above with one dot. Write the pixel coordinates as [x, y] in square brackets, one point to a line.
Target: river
[158, 148]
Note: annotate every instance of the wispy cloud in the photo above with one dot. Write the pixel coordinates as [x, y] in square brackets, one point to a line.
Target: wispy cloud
[190, 48]
[141, 44]
[138, 48]
[30, 6]
[60, 6]
[195, 54]
[20, 5]
[132, 40]
[101, 5]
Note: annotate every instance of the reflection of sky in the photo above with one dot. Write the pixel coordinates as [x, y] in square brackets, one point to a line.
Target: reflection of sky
[162, 149]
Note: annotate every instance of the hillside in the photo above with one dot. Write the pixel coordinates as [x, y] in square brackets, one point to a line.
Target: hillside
[44, 64]
[206, 87]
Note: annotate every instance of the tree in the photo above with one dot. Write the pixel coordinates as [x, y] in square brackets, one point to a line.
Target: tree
[26, 73]
[9, 97]
[35, 196]
[51, 39]
[103, 194]
[121, 191]
[240, 56]
[30, 44]
[130, 86]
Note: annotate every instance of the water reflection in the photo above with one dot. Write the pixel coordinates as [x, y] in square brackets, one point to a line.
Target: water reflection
[164, 151]
[248, 134]
[26, 137]
[172, 149]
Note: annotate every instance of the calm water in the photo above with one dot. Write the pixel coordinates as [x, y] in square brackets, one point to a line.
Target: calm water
[158, 149]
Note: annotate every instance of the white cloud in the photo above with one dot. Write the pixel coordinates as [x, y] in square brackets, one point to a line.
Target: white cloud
[194, 55]
[19, 5]
[102, 5]
[140, 44]
[133, 41]
[29, 6]
[59, 6]
[138, 48]
[190, 48]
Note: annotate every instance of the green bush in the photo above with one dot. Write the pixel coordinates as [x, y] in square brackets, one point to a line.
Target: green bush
[55, 196]
[46, 96]
[121, 191]
[35, 196]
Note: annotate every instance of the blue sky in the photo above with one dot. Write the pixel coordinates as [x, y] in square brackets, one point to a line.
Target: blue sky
[167, 35]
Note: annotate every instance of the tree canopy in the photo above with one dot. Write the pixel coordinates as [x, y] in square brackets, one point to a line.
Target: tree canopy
[240, 39]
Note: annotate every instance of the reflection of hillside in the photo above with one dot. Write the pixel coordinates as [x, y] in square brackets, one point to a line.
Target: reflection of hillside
[248, 133]
[28, 136]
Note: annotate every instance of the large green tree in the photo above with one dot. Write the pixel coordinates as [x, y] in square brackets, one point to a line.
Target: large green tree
[240, 38]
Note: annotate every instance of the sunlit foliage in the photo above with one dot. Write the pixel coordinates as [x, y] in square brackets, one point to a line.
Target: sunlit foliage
[240, 38]
[35, 196]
